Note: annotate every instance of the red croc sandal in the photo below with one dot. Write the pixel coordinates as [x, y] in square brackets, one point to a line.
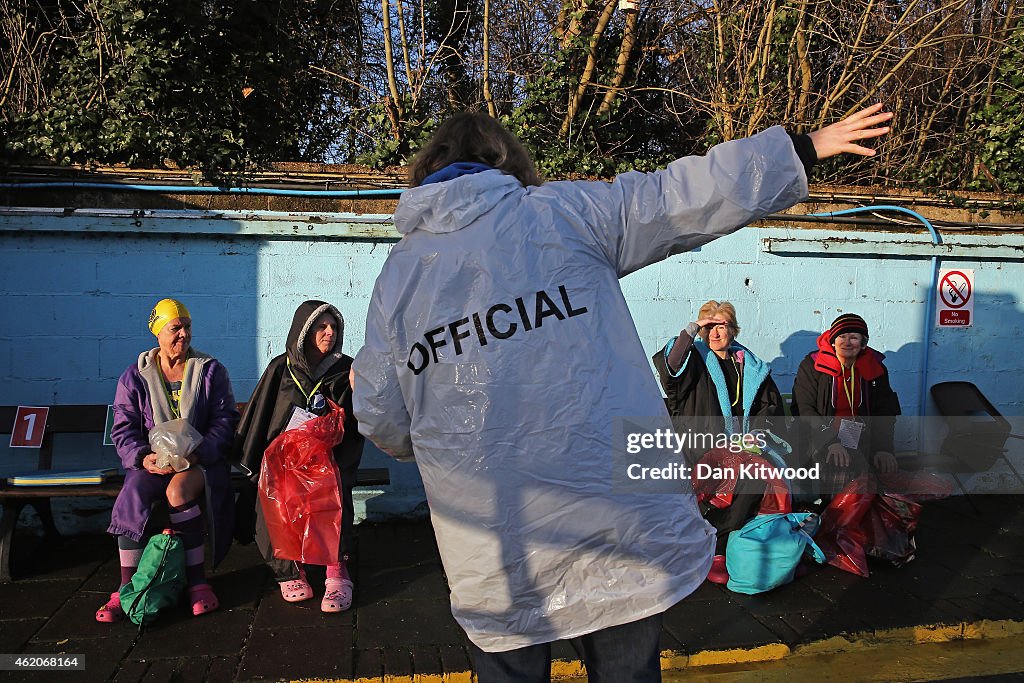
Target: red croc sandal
[111, 612]
[718, 574]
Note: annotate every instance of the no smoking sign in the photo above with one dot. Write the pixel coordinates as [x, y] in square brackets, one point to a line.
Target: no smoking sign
[955, 304]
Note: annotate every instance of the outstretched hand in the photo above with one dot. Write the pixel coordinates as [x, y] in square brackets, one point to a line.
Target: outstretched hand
[841, 137]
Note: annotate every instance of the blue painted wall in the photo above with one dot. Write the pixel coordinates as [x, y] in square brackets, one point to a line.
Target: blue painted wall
[784, 302]
[74, 309]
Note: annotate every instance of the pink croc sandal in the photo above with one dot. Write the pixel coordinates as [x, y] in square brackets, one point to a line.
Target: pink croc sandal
[111, 612]
[297, 590]
[338, 597]
[203, 599]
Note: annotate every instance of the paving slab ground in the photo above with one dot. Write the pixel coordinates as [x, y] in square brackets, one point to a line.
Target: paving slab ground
[959, 604]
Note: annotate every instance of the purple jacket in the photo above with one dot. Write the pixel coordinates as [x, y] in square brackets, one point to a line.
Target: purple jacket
[217, 416]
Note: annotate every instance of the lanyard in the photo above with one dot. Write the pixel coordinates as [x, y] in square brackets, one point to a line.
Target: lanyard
[175, 406]
[849, 390]
[739, 379]
[309, 396]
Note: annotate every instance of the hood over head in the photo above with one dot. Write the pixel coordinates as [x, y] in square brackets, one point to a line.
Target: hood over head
[452, 205]
[302, 324]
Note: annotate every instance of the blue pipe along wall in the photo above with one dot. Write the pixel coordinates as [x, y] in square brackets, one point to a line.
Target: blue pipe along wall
[78, 287]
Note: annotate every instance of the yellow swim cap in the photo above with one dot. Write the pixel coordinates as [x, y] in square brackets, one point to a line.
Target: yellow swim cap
[165, 311]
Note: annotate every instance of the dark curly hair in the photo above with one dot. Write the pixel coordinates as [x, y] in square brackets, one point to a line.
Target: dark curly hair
[473, 136]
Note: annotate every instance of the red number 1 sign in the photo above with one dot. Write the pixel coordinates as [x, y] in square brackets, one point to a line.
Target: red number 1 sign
[29, 426]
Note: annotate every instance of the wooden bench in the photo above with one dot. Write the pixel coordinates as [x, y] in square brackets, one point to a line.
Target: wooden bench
[83, 419]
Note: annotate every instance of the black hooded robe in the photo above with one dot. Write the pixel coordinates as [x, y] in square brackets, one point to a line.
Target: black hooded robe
[270, 408]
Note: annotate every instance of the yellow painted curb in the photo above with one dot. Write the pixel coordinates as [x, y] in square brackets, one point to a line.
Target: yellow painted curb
[762, 653]
[914, 635]
[984, 629]
[567, 669]
[988, 628]
[674, 660]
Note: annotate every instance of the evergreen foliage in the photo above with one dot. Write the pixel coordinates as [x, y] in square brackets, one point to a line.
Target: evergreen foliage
[592, 87]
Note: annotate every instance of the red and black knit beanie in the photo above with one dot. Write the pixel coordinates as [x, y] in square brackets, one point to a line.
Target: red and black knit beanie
[848, 322]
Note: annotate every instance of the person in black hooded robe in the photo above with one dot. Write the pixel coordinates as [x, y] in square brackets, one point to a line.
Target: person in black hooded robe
[312, 371]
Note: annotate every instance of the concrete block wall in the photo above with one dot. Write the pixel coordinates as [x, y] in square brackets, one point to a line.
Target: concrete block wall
[74, 312]
[74, 308]
[784, 302]
[70, 326]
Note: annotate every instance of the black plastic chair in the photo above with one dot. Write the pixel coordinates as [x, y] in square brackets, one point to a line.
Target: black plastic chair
[977, 431]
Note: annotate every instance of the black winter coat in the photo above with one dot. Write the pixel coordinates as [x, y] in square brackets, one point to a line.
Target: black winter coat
[693, 395]
[814, 408]
[270, 408]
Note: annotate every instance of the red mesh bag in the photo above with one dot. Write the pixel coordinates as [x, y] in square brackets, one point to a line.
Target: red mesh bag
[917, 486]
[842, 535]
[891, 523]
[300, 490]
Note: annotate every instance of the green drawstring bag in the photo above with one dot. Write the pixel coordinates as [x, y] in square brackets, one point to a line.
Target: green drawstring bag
[159, 580]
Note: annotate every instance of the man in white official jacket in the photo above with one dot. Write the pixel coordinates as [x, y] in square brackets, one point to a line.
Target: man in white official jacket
[500, 352]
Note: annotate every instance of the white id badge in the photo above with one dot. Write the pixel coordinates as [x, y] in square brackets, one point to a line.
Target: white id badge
[849, 433]
[300, 416]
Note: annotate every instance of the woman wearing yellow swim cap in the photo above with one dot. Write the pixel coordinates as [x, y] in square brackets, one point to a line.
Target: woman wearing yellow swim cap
[169, 382]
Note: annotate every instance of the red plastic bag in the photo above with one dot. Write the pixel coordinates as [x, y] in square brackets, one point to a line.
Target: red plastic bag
[891, 523]
[718, 492]
[865, 519]
[300, 491]
[842, 534]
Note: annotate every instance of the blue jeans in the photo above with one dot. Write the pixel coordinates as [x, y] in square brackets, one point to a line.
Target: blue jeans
[628, 653]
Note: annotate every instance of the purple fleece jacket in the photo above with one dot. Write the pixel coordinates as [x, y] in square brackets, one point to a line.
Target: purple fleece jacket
[217, 416]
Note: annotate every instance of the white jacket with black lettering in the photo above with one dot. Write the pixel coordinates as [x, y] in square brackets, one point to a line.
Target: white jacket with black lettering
[508, 405]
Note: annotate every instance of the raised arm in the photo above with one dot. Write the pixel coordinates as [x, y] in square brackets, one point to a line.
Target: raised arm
[641, 219]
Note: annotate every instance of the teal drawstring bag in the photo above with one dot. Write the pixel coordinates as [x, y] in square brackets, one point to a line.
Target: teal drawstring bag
[764, 553]
[159, 580]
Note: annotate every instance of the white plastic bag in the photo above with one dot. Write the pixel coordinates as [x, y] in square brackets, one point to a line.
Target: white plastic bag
[172, 442]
